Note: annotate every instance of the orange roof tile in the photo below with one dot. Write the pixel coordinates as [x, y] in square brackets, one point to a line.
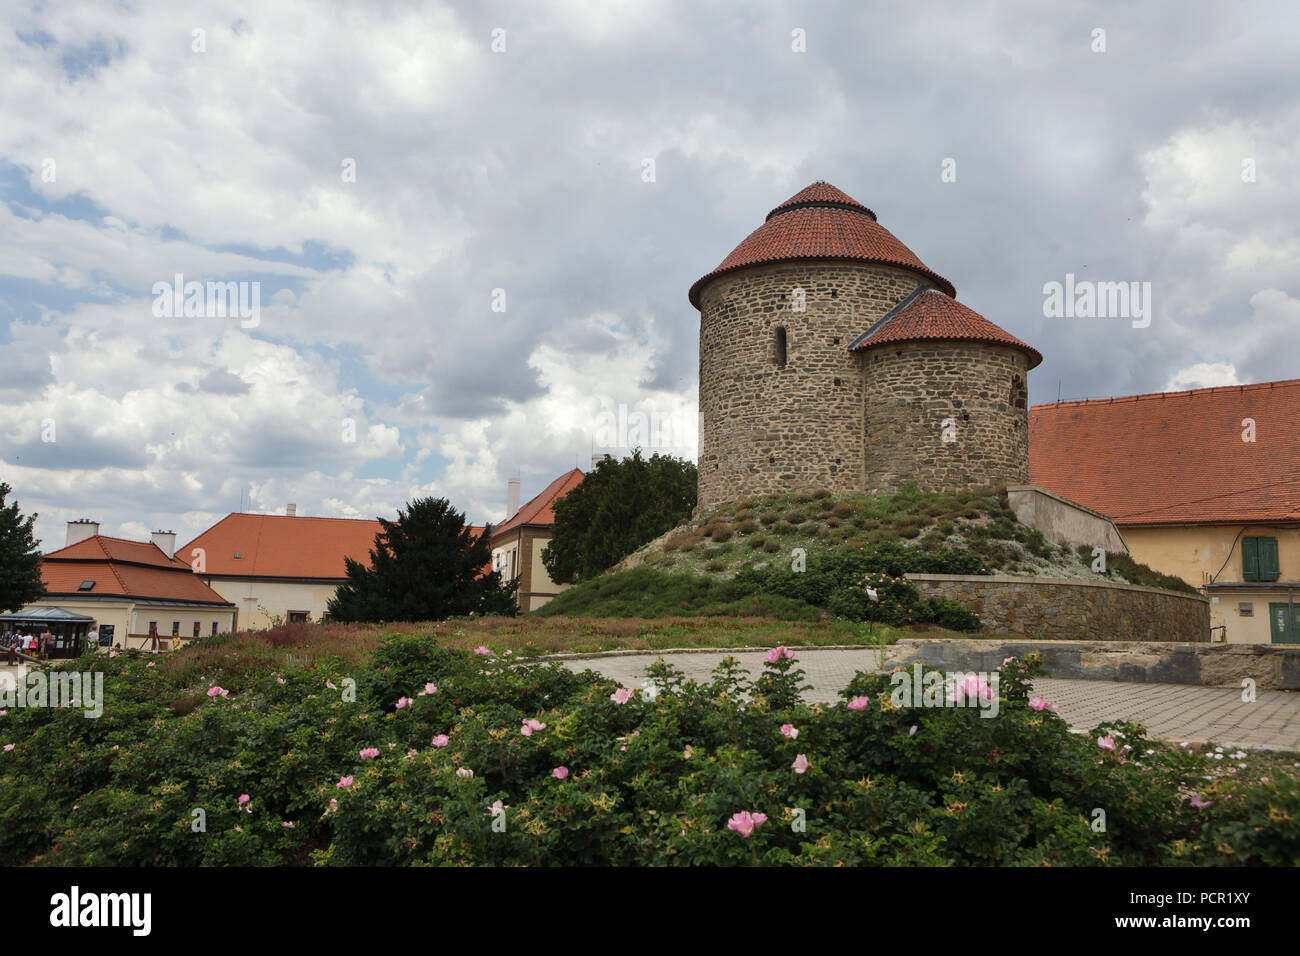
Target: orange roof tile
[820, 222]
[929, 314]
[279, 546]
[540, 510]
[1174, 457]
[101, 547]
[173, 581]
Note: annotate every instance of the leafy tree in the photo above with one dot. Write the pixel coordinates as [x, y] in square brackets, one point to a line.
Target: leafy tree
[425, 566]
[20, 562]
[617, 508]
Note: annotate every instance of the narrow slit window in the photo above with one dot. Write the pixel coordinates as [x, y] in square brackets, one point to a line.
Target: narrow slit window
[780, 346]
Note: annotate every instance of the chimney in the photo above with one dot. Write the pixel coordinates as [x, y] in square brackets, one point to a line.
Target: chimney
[512, 498]
[291, 510]
[81, 529]
[166, 541]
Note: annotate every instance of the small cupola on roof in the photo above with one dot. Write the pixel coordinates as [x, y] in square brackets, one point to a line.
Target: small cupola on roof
[821, 222]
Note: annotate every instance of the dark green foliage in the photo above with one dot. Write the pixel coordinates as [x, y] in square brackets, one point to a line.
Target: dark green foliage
[426, 566]
[1123, 566]
[619, 506]
[20, 562]
[651, 781]
[835, 585]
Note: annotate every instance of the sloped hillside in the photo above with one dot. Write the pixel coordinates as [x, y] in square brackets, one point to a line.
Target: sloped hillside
[820, 551]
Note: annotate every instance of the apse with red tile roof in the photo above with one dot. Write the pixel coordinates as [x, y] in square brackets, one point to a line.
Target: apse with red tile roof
[832, 357]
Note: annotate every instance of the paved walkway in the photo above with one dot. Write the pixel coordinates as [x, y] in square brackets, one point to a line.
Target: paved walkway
[1171, 711]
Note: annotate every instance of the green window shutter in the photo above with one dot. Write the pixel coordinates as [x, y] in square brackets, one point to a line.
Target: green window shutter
[1268, 564]
[1250, 559]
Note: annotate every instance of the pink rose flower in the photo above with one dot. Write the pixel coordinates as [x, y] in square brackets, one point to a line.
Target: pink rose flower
[1199, 802]
[559, 773]
[788, 730]
[428, 689]
[745, 823]
[1038, 703]
[244, 798]
[621, 696]
[215, 691]
[404, 702]
[481, 650]
[530, 725]
[279, 680]
[344, 783]
[441, 740]
[369, 753]
[151, 664]
[8, 747]
[800, 764]
[1106, 743]
[859, 703]
[775, 654]
[972, 688]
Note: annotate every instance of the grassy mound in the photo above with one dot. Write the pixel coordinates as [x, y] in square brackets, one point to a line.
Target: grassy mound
[810, 553]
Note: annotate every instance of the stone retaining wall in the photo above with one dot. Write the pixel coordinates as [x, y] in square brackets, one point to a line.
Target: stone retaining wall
[1271, 666]
[1072, 610]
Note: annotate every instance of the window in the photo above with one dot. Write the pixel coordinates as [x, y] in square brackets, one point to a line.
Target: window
[298, 617]
[153, 628]
[86, 586]
[1259, 559]
[176, 628]
[780, 346]
[197, 625]
[1018, 396]
[1246, 609]
[214, 628]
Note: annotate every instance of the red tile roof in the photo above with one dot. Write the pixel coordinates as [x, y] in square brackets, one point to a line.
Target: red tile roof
[933, 315]
[540, 510]
[820, 222]
[279, 546]
[101, 547]
[123, 568]
[1174, 457]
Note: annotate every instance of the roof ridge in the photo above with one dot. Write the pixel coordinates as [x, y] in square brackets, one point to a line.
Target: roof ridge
[907, 300]
[1118, 399]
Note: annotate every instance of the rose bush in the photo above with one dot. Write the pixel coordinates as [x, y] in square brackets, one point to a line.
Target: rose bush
[731, 771]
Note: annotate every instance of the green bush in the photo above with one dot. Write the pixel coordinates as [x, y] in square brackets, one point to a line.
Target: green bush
[645, 781]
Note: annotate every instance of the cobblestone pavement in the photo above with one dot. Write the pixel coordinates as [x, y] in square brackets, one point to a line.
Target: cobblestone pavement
[1172, 711]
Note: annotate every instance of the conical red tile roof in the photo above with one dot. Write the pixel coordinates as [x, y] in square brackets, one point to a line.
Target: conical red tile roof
[820, 222]
[931, 315]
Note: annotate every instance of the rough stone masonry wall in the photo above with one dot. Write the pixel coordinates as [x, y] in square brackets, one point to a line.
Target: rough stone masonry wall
[913, 387]
[1064, 609]
[770, 430]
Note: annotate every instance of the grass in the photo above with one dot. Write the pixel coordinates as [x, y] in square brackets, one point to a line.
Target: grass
[980, 520]
[301, 646]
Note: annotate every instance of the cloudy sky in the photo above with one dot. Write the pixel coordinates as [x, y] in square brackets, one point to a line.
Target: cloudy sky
[471, 226]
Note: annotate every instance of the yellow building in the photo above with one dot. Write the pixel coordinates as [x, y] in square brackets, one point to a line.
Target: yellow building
[518, 543]
[138, 594]
[1203, 484]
